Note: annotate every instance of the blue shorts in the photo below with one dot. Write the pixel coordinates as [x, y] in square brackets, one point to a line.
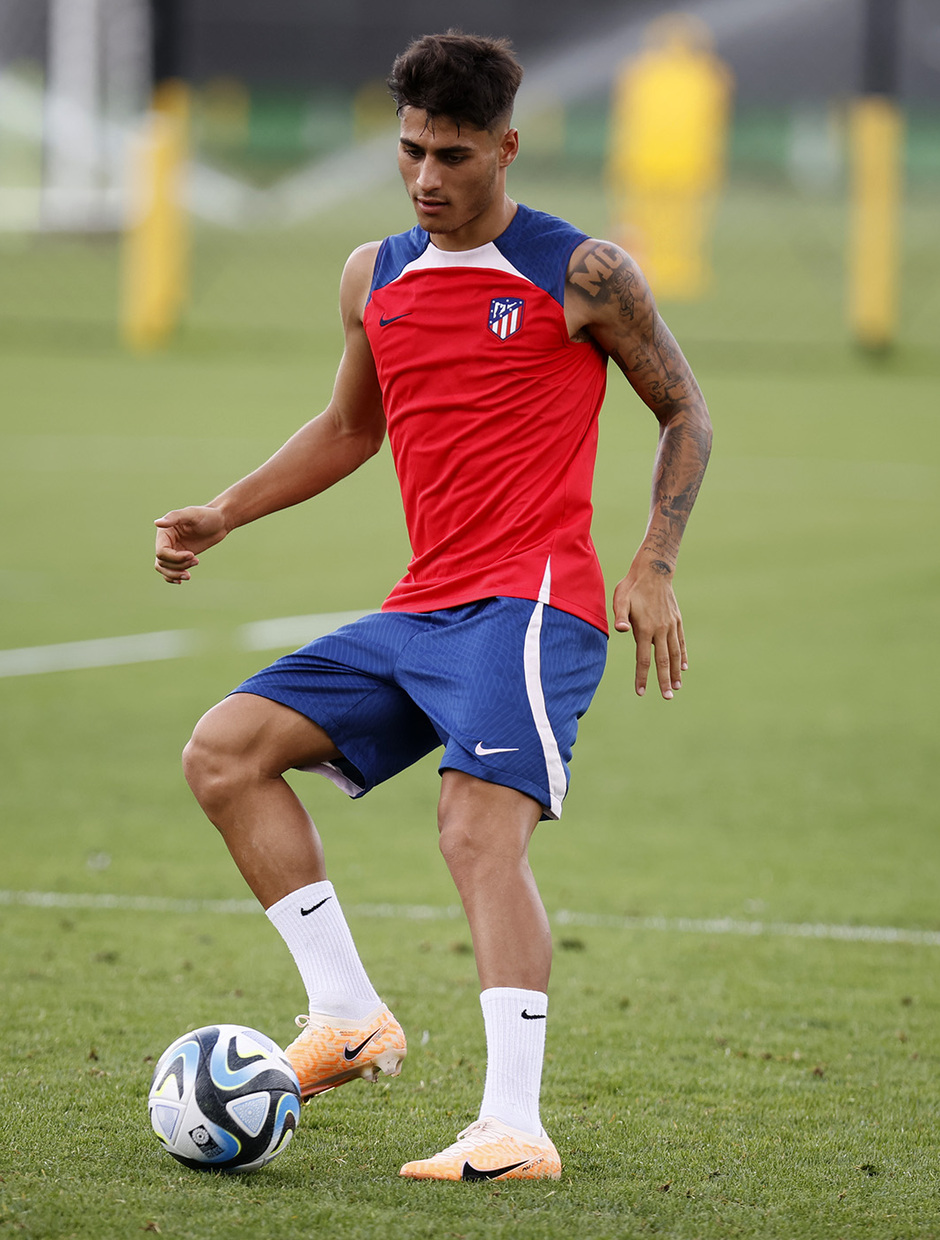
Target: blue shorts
[500, 683]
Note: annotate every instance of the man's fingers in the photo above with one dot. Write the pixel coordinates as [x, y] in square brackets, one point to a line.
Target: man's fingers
[171, 573]
[657, 630]
[175, 568]
[173, 563]
[675, 660]
[180, 534]
[667, 651]
[644, 657]
[664, 666]
[175, 557]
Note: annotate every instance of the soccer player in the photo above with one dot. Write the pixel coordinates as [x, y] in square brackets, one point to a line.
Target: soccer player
[478, 341]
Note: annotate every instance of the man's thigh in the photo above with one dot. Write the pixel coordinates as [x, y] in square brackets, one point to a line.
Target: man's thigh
[261, 733]
[501, 683]
[345, 683]
[505, 682]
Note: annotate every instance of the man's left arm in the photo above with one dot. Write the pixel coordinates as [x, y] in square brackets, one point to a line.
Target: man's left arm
[609, 298]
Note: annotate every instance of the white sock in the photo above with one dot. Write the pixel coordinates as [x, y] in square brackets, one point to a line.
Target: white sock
[515, 1047]
[311, 923]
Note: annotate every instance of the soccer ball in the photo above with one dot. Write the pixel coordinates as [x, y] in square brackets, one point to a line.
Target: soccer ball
[224, 1097]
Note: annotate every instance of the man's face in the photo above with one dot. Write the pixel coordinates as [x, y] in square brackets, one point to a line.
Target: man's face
[454, 176]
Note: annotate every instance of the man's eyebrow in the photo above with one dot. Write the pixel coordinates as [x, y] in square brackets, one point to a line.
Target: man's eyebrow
[454, 149]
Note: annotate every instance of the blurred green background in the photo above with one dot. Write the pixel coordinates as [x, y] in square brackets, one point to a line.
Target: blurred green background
[797, 769]
[795, 779]
[783, 1083]
[802, 742]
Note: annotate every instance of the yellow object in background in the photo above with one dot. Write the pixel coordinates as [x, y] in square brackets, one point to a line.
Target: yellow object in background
[373, 111]
[671, 113]
[545, 130]
[155, 261]
[876, 133]
[224, 113]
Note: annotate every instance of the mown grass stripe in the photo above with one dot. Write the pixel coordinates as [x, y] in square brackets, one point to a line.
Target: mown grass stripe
[452, 912]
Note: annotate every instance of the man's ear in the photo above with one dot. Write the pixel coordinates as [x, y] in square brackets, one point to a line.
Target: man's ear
[508, 147]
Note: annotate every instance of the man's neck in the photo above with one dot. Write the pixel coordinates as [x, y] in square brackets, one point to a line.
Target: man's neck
[480, 231]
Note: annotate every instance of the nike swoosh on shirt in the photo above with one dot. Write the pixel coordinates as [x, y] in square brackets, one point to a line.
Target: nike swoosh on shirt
[474, 1173]
[350, 1052]
[305, 912]
[384, 322]
[482, 752]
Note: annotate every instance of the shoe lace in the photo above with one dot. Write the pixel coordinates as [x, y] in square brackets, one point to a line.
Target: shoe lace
[470, 1138]
[302, 1021]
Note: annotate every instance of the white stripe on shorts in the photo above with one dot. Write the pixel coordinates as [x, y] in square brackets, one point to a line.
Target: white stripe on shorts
[532, 658]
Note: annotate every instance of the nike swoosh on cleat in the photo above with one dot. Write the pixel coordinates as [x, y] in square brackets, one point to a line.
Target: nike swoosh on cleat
[481, 752]
[473, 1173]
[384, 322]
[350, 1053]
[305, 912]
[532, 1016]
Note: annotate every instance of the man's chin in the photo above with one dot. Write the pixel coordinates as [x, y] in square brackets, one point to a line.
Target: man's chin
[432, 221]
[434, 226]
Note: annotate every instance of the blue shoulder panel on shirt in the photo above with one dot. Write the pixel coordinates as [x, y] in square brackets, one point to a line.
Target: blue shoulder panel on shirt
[540, 246]
[395, 253]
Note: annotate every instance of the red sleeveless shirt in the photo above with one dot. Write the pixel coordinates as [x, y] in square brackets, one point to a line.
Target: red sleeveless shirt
[492, 418]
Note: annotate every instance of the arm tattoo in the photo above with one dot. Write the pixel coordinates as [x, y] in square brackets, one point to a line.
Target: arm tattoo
[685, 444]
[625, 323]
[605, 276]
[656, 368]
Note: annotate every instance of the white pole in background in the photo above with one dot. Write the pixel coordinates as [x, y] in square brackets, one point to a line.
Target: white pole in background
[128, 85]
[73, 122]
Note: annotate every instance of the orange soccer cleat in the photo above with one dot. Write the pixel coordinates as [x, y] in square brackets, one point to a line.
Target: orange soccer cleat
[490, 1150]
[331, 1050]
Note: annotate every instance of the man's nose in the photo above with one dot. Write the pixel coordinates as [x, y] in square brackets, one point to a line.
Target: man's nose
[428, 175]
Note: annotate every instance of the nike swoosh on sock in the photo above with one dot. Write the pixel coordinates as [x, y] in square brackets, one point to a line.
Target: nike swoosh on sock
[305, 912]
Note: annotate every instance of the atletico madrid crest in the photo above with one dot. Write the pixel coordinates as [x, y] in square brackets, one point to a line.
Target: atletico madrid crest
[506, 316]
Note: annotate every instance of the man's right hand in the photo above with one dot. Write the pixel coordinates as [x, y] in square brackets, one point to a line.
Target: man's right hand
[181, 535]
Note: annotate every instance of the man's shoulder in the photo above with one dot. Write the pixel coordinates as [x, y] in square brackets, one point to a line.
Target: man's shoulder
[357, 276]
[540, 246]
[529, 221]
[393, 254]
[363, 256]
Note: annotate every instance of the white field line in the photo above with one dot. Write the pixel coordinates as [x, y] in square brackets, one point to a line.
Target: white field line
[452, 912]
[292, 631]
[288, 631]
[100, 652]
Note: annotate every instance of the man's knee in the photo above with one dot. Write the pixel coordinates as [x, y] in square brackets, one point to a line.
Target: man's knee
[460, 847]
[210, 759]
[459, 841]
[247, 740]
[483, 824]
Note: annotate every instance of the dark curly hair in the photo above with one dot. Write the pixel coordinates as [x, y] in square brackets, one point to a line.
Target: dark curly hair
[470, 79]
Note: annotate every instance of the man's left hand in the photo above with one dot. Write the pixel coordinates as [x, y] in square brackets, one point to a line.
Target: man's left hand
[645, 604]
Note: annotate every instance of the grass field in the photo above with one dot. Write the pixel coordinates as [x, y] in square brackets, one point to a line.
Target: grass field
[731, 1052]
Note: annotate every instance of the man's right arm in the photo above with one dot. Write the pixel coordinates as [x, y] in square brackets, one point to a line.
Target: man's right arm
[329, 447]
